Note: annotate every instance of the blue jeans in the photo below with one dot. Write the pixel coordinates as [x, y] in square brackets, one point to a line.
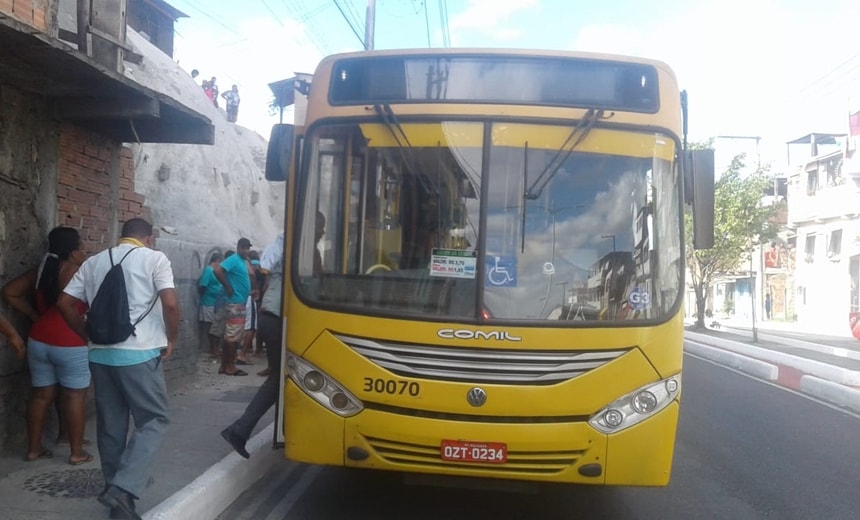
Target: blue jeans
[270, 327]
[137, 392]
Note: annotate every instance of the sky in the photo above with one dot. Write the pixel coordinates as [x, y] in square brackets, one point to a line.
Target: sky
[773, 69]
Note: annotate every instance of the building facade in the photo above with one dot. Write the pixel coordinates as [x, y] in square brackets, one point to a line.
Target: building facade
[824, 214]
[67, 112]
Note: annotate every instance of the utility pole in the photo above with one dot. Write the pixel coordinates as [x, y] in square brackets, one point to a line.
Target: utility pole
[369, 25]
[752, 296]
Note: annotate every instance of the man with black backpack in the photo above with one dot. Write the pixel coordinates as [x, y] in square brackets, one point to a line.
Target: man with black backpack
[129, 335]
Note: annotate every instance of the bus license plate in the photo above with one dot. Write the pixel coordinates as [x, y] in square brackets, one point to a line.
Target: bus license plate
[470, 451]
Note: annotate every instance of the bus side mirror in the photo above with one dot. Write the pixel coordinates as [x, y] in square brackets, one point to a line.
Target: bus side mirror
[699, 191]
[279, 152]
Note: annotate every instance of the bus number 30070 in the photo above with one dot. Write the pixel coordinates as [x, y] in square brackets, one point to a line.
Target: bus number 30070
[390, 386]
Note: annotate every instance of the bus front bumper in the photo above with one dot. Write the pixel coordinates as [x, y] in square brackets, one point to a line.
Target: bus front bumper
[571, 452]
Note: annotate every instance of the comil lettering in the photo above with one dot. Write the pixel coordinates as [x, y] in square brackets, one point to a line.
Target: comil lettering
[499, 335]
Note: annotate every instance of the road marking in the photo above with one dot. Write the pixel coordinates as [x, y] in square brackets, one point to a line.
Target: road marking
[283, 508]
[269, 487]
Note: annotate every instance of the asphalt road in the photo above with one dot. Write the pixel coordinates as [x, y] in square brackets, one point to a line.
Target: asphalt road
[746, 450]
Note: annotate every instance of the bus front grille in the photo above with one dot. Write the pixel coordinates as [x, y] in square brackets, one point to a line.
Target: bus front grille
[534, 462]
[474, 365]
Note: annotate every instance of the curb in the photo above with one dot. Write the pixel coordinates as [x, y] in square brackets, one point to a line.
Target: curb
[831, 392]
[745, 364]
[213, 491]
[825, 383]
[839, 375]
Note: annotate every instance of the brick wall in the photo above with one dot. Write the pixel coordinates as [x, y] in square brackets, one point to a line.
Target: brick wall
[88, 201]
[84, 191]
[31, 12]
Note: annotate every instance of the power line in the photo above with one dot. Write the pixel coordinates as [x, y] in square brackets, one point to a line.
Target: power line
[274, 14]
[832, 71]
[427, 23]
[205, 13]
[356, 19]
[443, 18]
[836, 85]
[313, 12]
[306, 16]
[348, 22]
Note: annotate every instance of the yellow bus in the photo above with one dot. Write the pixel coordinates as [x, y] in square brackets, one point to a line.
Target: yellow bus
[486, 264]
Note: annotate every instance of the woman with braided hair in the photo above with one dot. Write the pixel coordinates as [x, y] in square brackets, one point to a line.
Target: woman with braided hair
[57, 356]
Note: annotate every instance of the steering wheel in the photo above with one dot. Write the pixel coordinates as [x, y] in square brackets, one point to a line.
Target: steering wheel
[377, 267]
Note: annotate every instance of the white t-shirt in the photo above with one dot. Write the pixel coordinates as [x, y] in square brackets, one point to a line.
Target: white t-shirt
[146, 273]
[272, 260]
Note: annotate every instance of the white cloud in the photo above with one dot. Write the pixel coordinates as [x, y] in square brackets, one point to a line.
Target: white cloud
[506, 35]
[490, 17]
[746, 64]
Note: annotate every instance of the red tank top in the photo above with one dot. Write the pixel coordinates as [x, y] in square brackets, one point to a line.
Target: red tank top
[52, 329]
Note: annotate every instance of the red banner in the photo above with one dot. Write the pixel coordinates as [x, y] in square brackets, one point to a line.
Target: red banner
[771, 257]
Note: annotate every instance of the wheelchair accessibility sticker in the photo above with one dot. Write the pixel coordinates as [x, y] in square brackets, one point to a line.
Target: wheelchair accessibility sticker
[502, 271]
[639, 299]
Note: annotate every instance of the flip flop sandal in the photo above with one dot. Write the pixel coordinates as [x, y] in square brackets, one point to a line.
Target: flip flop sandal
[237, 373]
[89, 458]
[45, 454]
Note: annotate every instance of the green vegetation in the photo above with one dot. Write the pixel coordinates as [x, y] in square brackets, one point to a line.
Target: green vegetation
[741, 222]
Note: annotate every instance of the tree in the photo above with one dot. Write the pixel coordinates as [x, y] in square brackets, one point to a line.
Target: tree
[741, 222]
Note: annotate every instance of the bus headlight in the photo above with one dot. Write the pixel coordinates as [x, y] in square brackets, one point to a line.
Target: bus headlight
[636, 406]
[313, 381]
[322, 388]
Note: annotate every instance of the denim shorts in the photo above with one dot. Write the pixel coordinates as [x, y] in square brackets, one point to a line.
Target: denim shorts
[49, 365]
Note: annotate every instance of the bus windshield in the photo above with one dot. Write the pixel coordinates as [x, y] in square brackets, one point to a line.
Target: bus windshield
[477, 221]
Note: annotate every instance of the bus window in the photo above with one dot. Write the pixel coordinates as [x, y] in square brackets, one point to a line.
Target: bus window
[402, 220]
[576, 243]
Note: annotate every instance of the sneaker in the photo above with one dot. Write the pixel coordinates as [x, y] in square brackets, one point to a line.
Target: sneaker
[237, 442]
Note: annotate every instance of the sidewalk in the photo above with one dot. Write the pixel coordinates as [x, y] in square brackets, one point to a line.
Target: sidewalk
[840, 331]
[49, 489]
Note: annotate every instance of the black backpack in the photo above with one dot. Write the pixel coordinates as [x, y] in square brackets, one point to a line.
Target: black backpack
[108, 320]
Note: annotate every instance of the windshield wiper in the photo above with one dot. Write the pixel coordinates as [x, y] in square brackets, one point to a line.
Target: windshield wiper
[396, 130]
[579, 132]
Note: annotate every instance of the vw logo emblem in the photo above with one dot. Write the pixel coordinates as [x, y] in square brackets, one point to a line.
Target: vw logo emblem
[476, 396]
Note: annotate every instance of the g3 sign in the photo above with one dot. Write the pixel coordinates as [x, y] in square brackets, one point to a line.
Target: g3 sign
[639, 299]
